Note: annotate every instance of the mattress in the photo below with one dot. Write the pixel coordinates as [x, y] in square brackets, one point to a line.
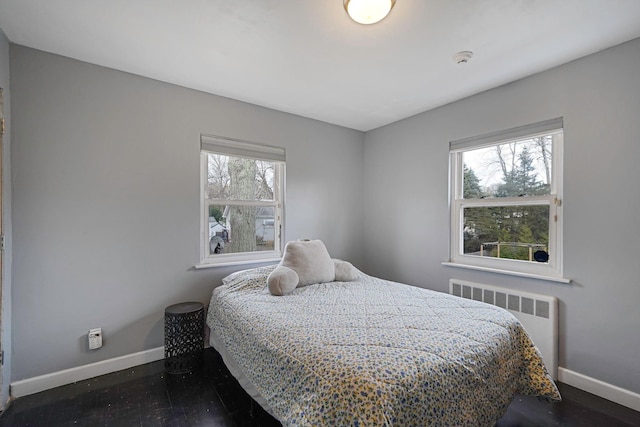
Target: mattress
[374, 352]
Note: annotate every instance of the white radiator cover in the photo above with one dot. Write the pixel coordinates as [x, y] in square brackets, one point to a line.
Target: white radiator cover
[538, 314]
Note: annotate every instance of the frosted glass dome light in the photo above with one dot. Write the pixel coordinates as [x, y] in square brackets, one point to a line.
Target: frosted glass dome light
[368, 11]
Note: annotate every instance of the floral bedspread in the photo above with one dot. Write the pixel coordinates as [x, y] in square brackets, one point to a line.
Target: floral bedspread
[374, 353]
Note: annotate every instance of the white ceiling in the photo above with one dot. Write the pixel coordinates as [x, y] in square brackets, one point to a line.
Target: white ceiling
[308, 58]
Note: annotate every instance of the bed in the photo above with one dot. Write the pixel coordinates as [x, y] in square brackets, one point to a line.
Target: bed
[371, 352]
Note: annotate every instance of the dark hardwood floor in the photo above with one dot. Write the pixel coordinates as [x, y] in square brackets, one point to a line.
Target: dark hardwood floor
[147, 396]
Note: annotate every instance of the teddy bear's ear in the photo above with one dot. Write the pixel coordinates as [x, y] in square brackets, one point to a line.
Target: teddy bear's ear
[282, 281]
[345, 271]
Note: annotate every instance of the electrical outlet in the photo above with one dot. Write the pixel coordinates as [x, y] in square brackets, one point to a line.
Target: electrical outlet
[95, 338]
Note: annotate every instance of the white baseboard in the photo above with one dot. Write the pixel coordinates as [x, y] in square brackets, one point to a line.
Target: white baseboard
[79, 373]
[607, 391]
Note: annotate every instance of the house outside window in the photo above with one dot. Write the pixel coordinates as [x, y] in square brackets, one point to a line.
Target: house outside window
[242, 194]
[506, 198]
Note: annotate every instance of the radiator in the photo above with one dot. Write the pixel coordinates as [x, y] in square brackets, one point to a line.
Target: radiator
[537, 313]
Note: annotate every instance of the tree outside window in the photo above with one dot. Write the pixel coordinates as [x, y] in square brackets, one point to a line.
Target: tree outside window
[242, 201]
[505, 201]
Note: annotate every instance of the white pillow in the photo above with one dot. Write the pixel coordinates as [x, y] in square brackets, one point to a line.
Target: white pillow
[310, 260]
[233, 275]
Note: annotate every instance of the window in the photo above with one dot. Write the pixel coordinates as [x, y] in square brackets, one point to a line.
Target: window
[242, 191]
[506, 192]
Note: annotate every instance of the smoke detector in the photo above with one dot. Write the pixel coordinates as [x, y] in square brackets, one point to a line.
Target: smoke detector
[462, 57]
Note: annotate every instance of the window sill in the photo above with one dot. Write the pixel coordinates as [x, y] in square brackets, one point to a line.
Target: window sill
[509, 272]
[232, 263]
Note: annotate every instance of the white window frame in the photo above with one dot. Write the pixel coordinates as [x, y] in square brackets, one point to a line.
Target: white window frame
[238, 148]
[553, 269]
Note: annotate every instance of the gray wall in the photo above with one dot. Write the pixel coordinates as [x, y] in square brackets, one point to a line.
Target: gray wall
[5, 321]
[599, 98]
[106, 202]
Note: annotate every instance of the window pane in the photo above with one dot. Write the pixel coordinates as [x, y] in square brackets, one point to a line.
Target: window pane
[236, 178]
[520, 168]
[513, 232]
[236, 229]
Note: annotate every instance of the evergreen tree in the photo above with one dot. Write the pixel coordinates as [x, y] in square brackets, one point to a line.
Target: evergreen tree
[506, 224]
[479, 223]
[522, 180]
[472, 189]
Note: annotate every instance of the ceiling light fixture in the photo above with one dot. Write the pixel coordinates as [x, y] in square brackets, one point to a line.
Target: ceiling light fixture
[368, 11]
